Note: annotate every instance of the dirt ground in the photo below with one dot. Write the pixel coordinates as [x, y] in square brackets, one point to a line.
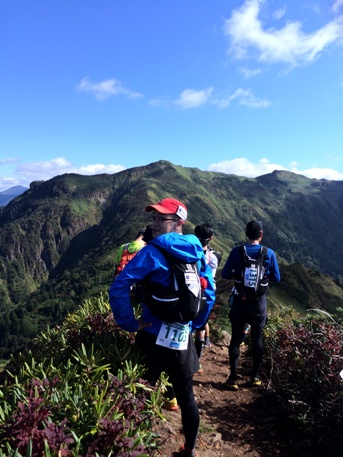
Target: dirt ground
[232, 424]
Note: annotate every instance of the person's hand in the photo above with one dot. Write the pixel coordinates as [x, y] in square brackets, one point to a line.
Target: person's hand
[142, 324]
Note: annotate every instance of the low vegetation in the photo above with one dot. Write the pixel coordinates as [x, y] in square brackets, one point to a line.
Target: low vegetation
[304, 369]
[77, 389]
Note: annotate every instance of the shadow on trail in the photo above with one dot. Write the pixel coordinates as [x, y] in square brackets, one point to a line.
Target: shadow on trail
[250, 423]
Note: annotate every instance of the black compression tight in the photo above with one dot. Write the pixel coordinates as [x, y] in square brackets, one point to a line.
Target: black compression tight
[179, 365]
[189, 409]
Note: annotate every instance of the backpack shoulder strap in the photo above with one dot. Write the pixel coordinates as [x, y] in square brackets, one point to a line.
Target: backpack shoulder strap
[203, 263]
[243, 254]
[218, 255]
[263, 253]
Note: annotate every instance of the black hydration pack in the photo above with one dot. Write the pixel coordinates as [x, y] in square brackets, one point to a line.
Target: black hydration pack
[184, 300]
[253, 282]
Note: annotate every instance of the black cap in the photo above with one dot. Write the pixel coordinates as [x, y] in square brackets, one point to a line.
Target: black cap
[254, 230]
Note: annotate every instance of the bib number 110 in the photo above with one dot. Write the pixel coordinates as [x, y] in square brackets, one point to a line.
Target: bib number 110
[175, 334]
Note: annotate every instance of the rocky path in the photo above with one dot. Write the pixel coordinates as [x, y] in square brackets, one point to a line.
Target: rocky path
[233, 424]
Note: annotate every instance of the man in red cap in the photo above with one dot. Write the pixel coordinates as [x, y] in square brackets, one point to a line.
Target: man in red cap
[178, 360]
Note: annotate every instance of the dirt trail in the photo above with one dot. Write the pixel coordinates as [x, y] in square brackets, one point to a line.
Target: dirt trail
[232, 424]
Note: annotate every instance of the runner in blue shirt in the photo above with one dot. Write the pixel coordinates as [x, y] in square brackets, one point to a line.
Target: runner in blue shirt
[252, 310]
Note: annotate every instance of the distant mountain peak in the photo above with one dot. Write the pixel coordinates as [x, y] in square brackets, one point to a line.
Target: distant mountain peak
[7, 195]
[16, 190]
[284, 176]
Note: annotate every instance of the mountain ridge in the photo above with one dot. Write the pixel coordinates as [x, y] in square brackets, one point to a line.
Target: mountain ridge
[58, 239]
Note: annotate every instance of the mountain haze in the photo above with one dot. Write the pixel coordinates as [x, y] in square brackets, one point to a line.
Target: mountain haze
[58, 239]
[7, 195]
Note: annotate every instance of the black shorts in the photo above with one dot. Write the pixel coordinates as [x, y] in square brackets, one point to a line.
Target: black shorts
[249, 311]
[177, 364]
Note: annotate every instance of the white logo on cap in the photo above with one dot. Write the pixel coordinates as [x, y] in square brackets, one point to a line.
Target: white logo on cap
[182, 213]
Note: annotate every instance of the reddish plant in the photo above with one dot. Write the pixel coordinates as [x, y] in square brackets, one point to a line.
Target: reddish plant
[30, 426]
[304, 361]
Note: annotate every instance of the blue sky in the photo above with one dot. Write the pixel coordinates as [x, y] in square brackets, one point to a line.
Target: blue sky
[242, 87]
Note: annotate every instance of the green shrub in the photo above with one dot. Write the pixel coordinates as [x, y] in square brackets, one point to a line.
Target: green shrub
[77, 390]
[304, 359]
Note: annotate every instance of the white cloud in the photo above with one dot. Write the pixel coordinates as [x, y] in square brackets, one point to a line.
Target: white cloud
[8, 160]
[244, 167]
[7, 183]
[105, 89]
[278, 14]
[190, 98]
[60, 165]
[288, 44]
[337, 6]
[45, 169]
[25, 173]
[7, 180]
[319, 173]
[244, 97]
[248, 73]
[98, 168]
[163, 101]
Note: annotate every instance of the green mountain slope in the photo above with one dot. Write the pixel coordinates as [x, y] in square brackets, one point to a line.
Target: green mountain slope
[58, 240]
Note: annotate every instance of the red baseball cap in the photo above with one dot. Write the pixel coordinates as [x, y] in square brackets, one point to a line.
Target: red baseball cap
[169, 206]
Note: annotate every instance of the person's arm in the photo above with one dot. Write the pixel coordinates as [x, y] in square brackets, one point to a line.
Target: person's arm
[274, 272]
[229, 270]
[213, 263]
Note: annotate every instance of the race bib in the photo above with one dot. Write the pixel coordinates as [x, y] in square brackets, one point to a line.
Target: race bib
[251, 277]
[173, 336]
